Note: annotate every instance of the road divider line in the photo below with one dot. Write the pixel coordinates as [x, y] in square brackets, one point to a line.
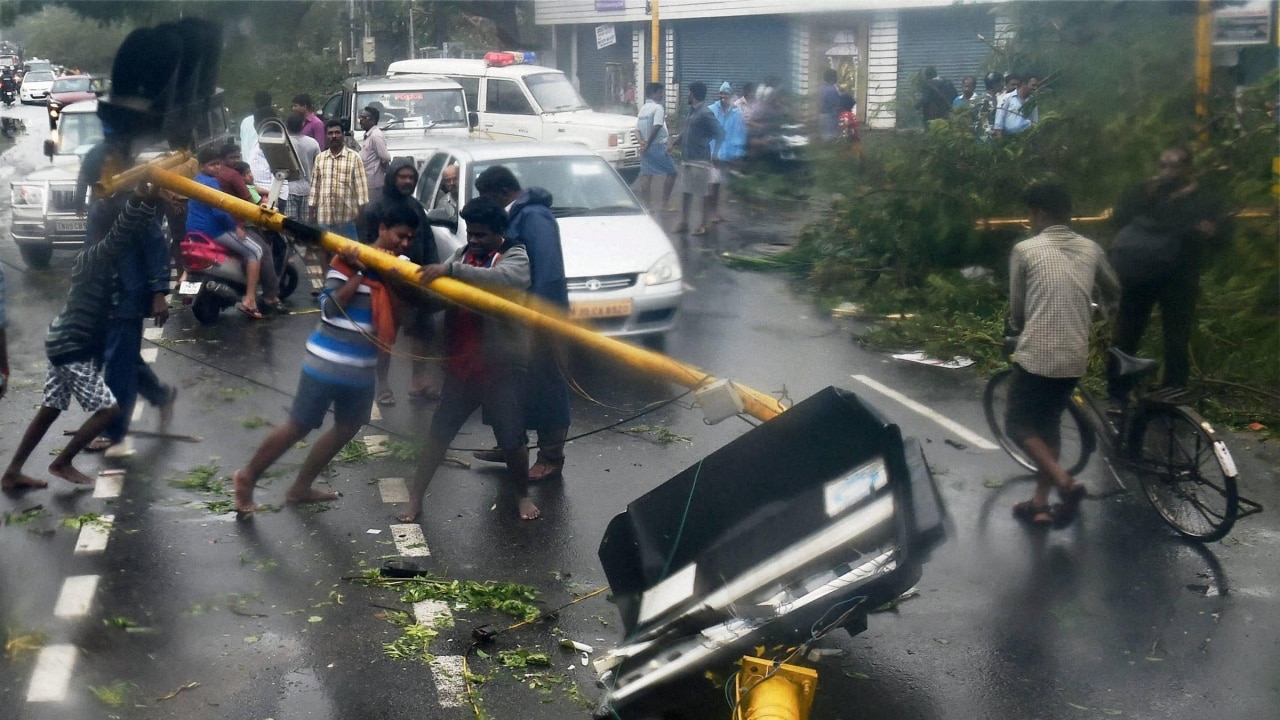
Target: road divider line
[94, 535]
[76, 596]
[451, 686]
[375, 413]
[153, 333]
[376, 444]
[150, 355]
[410, 541]
[52, 674]
[109, 484]
[137, 412]
[956, 428]
[393, 490]
[432, 613]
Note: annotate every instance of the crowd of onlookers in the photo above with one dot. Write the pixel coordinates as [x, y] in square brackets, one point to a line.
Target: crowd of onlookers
[1004, 107]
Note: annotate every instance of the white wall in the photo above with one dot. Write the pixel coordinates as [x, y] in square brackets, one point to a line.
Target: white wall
[555, 12]
[882, 72]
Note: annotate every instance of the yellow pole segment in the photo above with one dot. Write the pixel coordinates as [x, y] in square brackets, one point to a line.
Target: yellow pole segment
[1204, 66]
[653, 43]
[138, 173]
[757, 404]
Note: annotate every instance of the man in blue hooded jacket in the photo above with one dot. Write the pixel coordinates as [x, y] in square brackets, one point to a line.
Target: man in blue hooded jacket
[546, 405]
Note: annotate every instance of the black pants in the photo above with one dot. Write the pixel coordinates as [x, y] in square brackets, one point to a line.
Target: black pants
[1176, 295]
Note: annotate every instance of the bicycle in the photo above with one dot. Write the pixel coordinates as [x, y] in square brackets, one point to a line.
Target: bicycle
[1186, 471]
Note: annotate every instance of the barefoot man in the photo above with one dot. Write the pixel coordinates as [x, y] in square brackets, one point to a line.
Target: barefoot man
[74, 345]
[339, 370]
[484, 367]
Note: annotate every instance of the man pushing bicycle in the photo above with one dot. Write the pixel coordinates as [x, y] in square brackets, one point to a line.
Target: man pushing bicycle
[1053, 277]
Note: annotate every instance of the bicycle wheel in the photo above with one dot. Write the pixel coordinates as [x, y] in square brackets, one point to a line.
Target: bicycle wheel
[1076, 446]
[1186, 471]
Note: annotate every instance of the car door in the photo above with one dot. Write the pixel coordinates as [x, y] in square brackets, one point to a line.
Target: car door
[451, 238]
[508, 113]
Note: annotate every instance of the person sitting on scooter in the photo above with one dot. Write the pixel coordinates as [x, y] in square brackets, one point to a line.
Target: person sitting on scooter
[219, 226]
[271, 268]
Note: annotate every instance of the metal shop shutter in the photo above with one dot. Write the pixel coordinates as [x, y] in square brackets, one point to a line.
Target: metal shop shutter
[947, 38]
[737, 49]
[592, 68]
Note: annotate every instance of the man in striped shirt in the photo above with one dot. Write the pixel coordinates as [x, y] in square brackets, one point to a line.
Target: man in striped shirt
[357, 310]
[338, 184]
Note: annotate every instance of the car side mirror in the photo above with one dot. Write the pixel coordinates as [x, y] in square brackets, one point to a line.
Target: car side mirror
[473, 119]
[445, 217]
[50, 149]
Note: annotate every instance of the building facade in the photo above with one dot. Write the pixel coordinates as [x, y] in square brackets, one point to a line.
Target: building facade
[876, 46]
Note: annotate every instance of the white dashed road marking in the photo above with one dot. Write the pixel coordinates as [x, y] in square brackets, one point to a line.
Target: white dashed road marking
[52, 673]
[432, 613]
[137, 412]
[447, 671]
[956, 428]
[150, 355]
[393, 490]
[153, 333]
[410, 541]
[76, 596]
[94, 535]
[375, 413]
[376, 444]
[109, 484]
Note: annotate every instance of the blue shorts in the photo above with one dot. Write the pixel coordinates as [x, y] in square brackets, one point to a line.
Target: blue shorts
[352, 404]
[656, 161]
[346, 230]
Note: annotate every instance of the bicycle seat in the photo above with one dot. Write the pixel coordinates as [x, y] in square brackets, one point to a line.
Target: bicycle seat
[1130, 365]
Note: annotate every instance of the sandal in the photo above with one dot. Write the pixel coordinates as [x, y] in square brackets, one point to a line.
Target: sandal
[99, 444]
[700, 231]
[425, 394]
[1064, 513]
[1032, 514]
[387, 399]
[276, 306]
[252, 313]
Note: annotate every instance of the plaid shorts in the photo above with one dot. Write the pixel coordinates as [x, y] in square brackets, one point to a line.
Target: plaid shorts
[83, 380]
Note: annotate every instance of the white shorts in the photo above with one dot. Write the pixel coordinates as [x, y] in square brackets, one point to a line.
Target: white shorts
[83, 380]
[695, 178]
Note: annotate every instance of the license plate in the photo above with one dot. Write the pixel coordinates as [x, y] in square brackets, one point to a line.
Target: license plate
[592, 309]
[64, 226]
[189, 288]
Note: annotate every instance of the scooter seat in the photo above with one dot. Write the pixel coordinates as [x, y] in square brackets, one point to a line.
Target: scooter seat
[1130, 365]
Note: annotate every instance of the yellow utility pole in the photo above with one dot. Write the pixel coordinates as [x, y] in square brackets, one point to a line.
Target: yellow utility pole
[1204, 65]
[755, 403]
[653, 43]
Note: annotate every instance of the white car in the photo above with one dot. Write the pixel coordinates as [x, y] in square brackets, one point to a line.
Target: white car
[624, 275]
[35, 87]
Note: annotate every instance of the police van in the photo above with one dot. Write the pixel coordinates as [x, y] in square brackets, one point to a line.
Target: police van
[515, 99]
[417, 112]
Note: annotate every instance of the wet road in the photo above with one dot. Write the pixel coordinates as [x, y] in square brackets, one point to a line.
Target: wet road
[1114, 617]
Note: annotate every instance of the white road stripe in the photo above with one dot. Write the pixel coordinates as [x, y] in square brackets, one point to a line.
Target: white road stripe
[956, 428]
[409, 540]
[94, 535]
[432, 613]
[137, 412]
[52, 673]
[109, 484]
[76, 596]
[150, 355]
[376, 443]
[393, 490]
[451, 687]
[375, 413]
[153, 333]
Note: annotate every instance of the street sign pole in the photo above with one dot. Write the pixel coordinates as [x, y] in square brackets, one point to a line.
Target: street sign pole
[653, 44]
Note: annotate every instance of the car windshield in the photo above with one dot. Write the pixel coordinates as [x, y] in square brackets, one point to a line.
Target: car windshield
[66, 85]
[409, 109]
[38, 77]
[78, 132]
[555, 93]
[579, 185]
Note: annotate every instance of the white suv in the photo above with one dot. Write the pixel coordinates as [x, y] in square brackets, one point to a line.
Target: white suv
[520, 101]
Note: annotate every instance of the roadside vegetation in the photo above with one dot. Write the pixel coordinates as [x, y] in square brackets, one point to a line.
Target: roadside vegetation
[900, 229]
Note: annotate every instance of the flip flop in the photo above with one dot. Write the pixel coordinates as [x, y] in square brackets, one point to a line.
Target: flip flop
[253, 313]
[1034, 515]
[426, 394]
[98, 445]
[387, 399]
[700, 231]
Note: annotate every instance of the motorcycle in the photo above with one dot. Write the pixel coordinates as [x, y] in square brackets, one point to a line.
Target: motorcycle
[215, 277]
[8, 94]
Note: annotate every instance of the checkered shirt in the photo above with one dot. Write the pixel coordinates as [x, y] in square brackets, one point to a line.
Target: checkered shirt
[338, 187]
[1053, 278]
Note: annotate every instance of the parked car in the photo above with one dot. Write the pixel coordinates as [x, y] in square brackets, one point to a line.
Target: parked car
[35, 86]
[624, 275]
[417, 112]
[45, 207]
[517, 100]
[74, 88]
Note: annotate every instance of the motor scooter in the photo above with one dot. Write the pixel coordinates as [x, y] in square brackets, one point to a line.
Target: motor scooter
[215, 277]
[8, 94]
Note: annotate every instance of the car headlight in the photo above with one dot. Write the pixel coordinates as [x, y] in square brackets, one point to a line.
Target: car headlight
[666, 270]
[28, 195]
